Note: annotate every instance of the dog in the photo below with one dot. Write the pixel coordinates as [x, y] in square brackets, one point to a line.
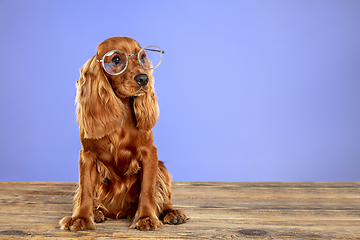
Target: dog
[120, 176]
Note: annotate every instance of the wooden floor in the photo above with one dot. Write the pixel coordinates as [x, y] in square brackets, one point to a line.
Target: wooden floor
[218, 211]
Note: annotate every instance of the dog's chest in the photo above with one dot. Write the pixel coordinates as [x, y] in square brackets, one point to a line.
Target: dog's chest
[123, 152]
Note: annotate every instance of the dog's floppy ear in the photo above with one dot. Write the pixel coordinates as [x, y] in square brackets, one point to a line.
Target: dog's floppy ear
[146, 108]
[99, 111]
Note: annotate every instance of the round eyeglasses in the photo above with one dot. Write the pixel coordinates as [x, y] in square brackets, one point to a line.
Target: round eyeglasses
[115, 62]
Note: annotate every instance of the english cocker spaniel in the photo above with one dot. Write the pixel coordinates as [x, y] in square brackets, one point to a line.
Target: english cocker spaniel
[120, 175]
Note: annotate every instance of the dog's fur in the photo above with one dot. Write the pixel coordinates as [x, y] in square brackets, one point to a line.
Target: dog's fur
[120, 175]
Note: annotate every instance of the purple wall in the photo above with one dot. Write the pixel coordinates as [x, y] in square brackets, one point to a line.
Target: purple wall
[248, 90]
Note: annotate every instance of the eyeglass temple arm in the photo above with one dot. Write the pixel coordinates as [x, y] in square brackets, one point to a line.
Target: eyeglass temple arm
[97, 58]
[154, 50]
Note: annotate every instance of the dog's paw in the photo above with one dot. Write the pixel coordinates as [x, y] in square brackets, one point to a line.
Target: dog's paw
[99, 216]
[100, 211]
[175, 217]
[76, 224]
[147, 224]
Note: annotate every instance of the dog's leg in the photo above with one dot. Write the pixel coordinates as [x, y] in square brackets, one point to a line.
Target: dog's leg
[82, 217]
[168, 214]
[146, 214]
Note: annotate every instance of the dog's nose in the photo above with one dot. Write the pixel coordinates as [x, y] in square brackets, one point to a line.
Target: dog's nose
[142, 79]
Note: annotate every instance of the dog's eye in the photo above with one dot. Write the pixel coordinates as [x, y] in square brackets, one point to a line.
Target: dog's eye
[142, 59]
[116, 60]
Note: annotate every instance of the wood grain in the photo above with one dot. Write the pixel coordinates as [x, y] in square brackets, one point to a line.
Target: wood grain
[218, 210]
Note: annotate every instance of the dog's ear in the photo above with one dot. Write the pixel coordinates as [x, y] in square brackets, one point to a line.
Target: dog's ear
[146, 108]
[99, 111]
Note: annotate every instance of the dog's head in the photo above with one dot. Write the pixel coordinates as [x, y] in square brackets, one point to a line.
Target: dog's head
[124, 68]
[120, 69]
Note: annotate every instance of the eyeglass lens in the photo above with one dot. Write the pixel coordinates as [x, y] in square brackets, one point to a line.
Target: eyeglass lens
[150, 57]
[115, 61]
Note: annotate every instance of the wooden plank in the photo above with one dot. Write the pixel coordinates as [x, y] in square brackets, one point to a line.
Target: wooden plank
[218, 210]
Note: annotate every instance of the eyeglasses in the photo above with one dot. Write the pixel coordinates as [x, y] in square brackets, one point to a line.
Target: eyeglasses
[115, 62]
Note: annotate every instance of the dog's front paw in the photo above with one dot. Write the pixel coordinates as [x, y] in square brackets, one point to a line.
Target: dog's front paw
[76, 224]
[175, 217]
[147, 224]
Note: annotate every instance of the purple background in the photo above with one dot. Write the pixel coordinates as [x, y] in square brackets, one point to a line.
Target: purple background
[248, 90]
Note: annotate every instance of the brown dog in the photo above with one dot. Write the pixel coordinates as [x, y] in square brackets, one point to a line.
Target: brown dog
[120, 175]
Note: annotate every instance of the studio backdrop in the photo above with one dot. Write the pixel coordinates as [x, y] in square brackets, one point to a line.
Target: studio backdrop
[248, 90]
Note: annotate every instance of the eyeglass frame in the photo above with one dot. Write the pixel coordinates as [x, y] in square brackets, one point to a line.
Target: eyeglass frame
[128, 56]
